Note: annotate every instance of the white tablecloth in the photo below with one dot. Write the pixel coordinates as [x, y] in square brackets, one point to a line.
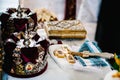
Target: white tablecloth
[55, 72]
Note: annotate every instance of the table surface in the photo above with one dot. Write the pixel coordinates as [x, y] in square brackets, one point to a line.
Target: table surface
[54, 71]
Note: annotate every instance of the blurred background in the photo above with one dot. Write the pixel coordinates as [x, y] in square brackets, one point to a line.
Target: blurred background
[83, 10]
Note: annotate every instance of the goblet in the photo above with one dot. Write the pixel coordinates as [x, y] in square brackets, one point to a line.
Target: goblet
[117, 61]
